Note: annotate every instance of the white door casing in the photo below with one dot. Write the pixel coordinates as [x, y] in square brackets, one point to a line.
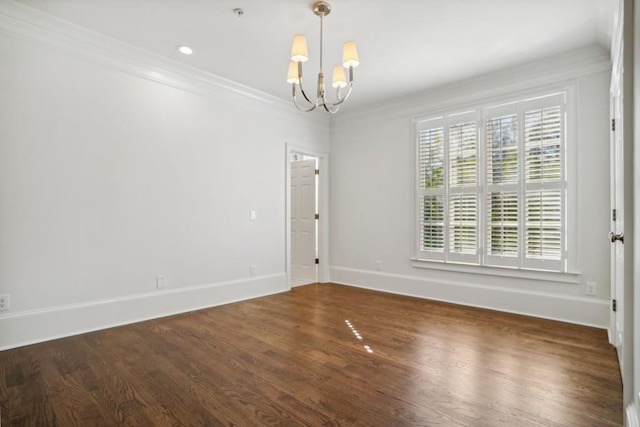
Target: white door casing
[303, 222]
[633, 409]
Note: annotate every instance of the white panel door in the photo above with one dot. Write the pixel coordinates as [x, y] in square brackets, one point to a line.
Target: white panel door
[619, 175]
[617, 230]
[303, 222]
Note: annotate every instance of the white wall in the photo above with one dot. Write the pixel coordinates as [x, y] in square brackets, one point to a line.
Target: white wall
[113, 173]
[371, 195]
[117, 166]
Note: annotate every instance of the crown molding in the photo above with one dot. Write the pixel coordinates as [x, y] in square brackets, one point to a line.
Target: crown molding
[24, 23]
[550, 70]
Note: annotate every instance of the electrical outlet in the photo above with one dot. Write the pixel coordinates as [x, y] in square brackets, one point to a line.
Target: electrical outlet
[4, 302]
[252, 215]
[252, 270]
[161, 282]
[378, 265]
[592, 288]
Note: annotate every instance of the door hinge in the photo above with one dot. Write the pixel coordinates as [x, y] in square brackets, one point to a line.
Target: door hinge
[613, 125]
[317, 171]
[614, 305]
[317, 261]
[614, 214]
[317, 216]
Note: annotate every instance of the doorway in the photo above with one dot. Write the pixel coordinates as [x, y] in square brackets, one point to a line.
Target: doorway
[308, 261]
[303, 218]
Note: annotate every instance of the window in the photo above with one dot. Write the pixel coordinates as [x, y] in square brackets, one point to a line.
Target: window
[492, 186]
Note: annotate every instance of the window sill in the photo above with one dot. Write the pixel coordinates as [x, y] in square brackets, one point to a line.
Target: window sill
[519, 273]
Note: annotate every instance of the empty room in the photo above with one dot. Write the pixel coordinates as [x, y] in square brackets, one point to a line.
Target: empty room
[372, 213]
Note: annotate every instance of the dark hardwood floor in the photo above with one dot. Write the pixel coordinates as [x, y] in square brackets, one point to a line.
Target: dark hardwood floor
[320, 355]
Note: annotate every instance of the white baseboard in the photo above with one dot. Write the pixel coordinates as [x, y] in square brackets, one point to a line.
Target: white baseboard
[35, 326]
[578, 310]
[301, 282]
[632, 415]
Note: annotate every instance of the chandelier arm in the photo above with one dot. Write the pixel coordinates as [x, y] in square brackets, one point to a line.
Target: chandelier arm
[329, 110]
[295, 101]
[304, 93]
[300, 83]
[340, 101]
[327, 105]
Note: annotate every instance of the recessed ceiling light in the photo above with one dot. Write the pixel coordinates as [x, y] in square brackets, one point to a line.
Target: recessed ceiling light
[185, 50]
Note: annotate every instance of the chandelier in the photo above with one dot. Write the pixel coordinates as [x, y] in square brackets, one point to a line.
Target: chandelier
[299, 55]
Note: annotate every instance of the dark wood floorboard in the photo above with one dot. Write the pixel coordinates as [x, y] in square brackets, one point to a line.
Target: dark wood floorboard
[319, 355]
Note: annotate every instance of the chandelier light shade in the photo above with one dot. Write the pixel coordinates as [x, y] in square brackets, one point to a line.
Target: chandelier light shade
[299, 54]
[339, 79]
[350, 55]
[299, 49]
[292, 75]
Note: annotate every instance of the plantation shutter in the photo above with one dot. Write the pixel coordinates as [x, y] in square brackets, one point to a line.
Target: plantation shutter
[503, 184]
[525, 199]
[431, 188]
[491, 186]
[432, 219]
[544, 183]
[462, 153]
[502, 229]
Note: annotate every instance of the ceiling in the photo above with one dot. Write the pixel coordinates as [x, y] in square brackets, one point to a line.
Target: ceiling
[405, 46]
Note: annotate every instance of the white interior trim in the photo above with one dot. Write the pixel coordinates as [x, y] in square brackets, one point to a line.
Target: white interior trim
[30, 327]
[507, 83]
[33, 26]
[568, 90]
[579, 310]
[521, 273]
[632, 415]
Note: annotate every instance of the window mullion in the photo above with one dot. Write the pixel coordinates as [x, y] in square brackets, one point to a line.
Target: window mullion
[563, 193]
[481, 191]
[447, 192]
[522, 226]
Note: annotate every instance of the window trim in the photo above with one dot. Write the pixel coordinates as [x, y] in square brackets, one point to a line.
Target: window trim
[571, 275]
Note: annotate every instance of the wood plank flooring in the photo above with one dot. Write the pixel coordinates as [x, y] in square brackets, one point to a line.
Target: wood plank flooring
[320, 355]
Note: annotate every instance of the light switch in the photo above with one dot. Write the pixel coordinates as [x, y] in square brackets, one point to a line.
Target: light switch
[252, 215]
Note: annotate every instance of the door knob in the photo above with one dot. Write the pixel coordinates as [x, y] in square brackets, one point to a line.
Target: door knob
[616, 236]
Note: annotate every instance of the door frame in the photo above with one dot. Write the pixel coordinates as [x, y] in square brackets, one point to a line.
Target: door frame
[623, 55]
[323, 210]
[633, 408]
